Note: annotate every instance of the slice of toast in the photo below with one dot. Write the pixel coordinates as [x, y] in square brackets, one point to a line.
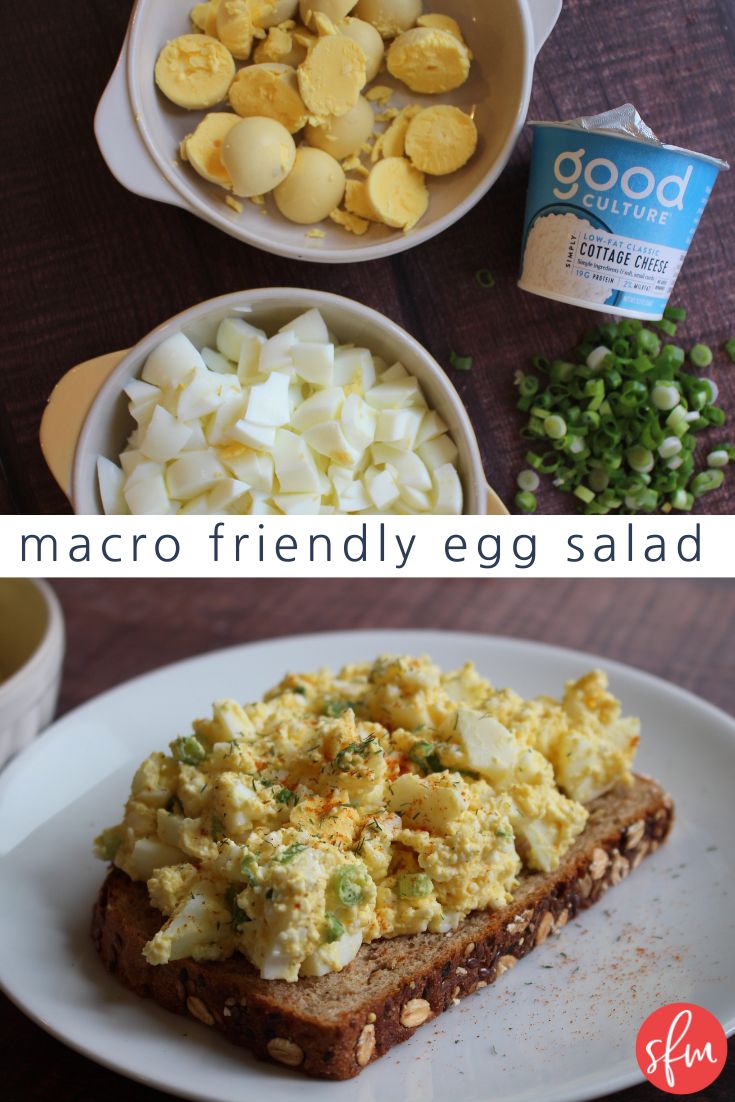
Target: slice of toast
[334, 1025]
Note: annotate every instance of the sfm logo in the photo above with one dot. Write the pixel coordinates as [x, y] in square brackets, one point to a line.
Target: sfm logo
[601, 174]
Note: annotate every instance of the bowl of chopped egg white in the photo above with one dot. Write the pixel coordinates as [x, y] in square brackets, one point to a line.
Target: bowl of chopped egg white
[324, 130]
[277, 402]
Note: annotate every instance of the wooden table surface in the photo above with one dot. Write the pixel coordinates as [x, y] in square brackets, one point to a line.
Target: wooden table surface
[89, 268]
[680, 630]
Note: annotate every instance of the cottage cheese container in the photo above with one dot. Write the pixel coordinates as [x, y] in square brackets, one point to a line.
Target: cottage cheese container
[611, 213]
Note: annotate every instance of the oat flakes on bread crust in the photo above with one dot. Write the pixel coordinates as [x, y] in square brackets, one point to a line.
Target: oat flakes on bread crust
[333, 1026]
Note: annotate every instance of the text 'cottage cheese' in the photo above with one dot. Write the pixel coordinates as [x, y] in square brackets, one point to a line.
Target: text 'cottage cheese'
[611, 212]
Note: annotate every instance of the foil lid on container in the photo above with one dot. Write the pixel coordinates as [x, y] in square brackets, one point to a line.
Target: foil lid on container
[619, 120]
[625, 121]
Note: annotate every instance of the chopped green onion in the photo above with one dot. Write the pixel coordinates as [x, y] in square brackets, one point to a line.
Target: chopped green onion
[700, 355]
[677, 421]
[599, 480]
[336, 708]
[107, 843]
[414, 885]
[706, 481]
[555, 427]
[485, 278]
[730, 349]
[528, 480]
[249, 869]
[669, 447]
[347, 884]
[711, 388]
[460, 363]
[286, 856]
[238, 916]
[425, 755]
[621, 417]
[584, 494]
[665, 396]
[526, 502]
[189, 750]
[640, 459]
[718, 458]
[527, 385]
[333, 928]
[597, 357]
[682, 500]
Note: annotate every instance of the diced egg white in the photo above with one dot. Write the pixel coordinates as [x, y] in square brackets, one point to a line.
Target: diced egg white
[354, 367]
[193, 473]
[275, 354]
[448, 490]
[323, 406]
[435, 453]
[111, 481]
[431, 426]
[224, 494]
[358, 422]
[298, 504]
[295, 468]
[149, 497]
[252, 468]
[234, 334]
[170, 363]
[289, 424]
[392, 395]
[314, 362]
[255, 436]
[164, 436]
[216, 362]
[268, 403]
[308, 327]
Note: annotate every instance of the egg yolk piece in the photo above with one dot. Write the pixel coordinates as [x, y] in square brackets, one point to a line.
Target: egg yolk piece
[194, 71]
[333, 9]
[369, 41]
[343, 135]
[332, 76]
[429, 60]
[440, 139]
[235, 27]
[313, 188]
[258, 154]
[203, 148]
[397, 192]
[271, 91]
[389, 17]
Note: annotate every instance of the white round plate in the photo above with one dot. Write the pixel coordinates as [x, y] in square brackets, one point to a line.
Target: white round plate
[562, 1025]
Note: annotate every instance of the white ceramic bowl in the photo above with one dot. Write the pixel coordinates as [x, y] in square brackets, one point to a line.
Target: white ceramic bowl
[108, 422]
[138, 130]
[31, 657]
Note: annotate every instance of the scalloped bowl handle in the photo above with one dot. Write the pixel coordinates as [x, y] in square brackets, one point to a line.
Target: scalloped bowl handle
[121, 146]
[66, 412]
[544, 14]
[495, 507]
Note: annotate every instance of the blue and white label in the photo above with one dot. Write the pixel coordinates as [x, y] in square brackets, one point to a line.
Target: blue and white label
[609, 219]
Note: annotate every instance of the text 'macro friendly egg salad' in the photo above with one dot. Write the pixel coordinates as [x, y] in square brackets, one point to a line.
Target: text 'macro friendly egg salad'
[390, 799]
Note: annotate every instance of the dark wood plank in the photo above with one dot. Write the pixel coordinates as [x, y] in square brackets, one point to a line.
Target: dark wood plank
[89, 267]
[116, 630]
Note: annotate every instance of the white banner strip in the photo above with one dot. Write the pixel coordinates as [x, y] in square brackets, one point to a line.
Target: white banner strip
[358, 547]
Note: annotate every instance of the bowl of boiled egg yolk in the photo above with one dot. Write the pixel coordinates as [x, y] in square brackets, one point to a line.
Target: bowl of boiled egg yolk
[278, 401]
[328, 130]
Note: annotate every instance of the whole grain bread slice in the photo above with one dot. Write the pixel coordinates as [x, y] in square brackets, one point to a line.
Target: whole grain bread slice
[333, 1026]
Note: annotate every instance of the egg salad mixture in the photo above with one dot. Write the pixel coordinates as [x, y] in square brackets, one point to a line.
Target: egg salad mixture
[390, 799]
